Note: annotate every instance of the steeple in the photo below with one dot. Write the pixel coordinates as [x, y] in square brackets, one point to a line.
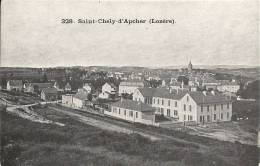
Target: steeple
[190, 66]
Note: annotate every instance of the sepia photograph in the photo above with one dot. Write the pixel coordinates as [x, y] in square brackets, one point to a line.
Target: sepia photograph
[129, 83]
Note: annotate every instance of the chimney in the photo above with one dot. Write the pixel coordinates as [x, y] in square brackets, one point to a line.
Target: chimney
[204, 93]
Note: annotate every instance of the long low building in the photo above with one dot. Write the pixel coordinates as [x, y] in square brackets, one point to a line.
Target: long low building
[132, 111]
[201, 107]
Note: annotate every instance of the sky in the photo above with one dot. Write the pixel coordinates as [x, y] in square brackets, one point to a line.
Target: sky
[207, 32]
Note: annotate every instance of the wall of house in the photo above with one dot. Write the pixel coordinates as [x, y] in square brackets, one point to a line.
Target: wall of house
[166, 107]
[78, 103]
[107, 88]
[67, 100]
[127, 89]
[215, 113]
[130, 115]
[137, 96]
[228, 88]
[190, 112]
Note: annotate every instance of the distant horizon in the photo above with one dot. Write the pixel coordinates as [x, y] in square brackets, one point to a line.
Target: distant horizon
[118, 66]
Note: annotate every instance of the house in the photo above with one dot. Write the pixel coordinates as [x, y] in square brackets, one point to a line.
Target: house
[205, 107]
[79, 99]
[105, 95]
[49, 94]
[87, 87]
[14, 85]
[130, 86]
[36, 87]
[132, 111]
[67, 100]
[67, 87]
[232, 87]
[182, 105]
[109, 87]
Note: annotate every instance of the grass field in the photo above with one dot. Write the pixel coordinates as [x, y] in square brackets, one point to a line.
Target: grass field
[29, 143]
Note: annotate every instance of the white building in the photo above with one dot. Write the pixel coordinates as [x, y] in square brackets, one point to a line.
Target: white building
[132, 111]
[109, 87]
[87, 87]
[14, 85]
[232, 87]
[130, 86]
[200, 107]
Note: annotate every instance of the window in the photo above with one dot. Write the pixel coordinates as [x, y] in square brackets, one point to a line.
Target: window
[227, 105]
[201, 109]
[184, 107]
[215, 116]
[176, 104]
[131, 113]
[200, 118]
[190, 108]
[208, 108]
[119, 111]
[221, 115]
[215, 107]
[187, 98]
[154, 101]
[162, 111]
[175, 112]
[158, 101]
[227, 115]
[184, 117]
[145, 100]
[208, 118]
[169, 103]
[168, 112]
[162, 102]
[125, 112]
[136, 114]
[221, 106]
[190, 118]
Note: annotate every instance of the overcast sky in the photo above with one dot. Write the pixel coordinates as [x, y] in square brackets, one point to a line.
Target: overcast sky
[205, 32]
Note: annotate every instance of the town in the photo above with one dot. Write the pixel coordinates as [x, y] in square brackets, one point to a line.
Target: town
[190, 100]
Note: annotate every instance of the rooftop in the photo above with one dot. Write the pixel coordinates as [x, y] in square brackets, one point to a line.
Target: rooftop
[133, 105]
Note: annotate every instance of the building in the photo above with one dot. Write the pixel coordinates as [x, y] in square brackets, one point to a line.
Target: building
[190, 66]
[36, 87]
[67, 100]
[14, 85]
[130, 86]
[232, 87]
[88, 87]
[109, 87]
[67, 87]
[182, 105]
[132, 111]
[49, 94]
[80, 99]
[205, 107]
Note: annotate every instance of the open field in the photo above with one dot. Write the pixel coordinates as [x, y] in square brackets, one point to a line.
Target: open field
[76, 143]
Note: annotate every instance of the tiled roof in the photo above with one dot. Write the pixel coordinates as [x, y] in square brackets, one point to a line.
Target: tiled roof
[132, 83]
[162, 93]
[50, 91]
[133, 105]
[15, 82]
[209, 98]
[41, 85]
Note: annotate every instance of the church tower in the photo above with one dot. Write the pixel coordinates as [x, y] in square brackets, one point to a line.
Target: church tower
[190, 66]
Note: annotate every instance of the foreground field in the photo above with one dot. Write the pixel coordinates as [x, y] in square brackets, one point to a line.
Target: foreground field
[30, 143]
